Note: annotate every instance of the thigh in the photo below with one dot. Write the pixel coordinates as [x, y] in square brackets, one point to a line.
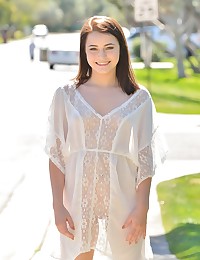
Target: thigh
[85, 256]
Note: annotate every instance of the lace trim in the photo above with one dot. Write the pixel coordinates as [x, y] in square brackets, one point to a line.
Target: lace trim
[151, 157]
[145, 158]
[56, 155]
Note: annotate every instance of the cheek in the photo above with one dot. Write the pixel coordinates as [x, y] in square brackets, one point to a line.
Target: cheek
[118, 55]
[89, 57]
[115, 56]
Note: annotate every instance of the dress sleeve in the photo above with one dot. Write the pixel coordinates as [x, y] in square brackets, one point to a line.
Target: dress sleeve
[152, 148]
[57, 130]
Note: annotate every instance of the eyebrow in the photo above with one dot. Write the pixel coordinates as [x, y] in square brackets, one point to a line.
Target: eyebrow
[93, 45]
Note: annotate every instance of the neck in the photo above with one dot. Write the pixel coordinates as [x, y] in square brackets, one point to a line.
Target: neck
[105, 80]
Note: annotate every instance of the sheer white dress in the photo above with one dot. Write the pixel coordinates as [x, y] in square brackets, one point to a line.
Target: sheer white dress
[104, 159]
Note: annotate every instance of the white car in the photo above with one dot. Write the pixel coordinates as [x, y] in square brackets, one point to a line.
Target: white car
[40, 30]
[63, 49]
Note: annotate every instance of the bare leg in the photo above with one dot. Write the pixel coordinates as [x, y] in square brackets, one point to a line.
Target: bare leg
[85, 256]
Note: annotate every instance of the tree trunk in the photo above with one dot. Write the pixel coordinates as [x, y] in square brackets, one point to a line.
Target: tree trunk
[179, 55]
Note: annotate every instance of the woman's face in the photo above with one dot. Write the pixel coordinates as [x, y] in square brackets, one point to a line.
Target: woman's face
[102, 51]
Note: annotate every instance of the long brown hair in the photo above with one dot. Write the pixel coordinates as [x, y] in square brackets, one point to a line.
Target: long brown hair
[124, 71]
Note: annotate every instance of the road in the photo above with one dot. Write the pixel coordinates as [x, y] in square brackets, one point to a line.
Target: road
[26, 90]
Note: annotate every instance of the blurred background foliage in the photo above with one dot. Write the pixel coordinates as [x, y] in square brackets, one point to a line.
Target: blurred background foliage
[58, 15]
[68, 15]
[178, 18]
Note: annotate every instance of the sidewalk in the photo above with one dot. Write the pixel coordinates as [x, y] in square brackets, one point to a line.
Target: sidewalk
[153, 65]
[172, 169]
[25, 207]
[189, 124]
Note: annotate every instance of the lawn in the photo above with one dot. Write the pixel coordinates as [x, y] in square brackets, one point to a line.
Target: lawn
[170, 94]
[180, 208]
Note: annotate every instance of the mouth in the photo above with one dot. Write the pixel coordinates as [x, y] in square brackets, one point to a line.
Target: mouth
[102, 63]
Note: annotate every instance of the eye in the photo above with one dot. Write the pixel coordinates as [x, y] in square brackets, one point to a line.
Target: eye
[93, 49]
[110, 48]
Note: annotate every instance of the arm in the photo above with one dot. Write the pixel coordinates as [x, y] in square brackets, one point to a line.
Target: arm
[138, 217]
[151, 154]
[142, 195]
[62, 216]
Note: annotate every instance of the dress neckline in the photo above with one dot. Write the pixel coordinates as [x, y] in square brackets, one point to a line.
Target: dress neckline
[112, 111]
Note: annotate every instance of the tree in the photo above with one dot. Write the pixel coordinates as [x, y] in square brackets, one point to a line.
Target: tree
[76, 11]
[182, 18]
[5, 11]
[25, 12]
[178, 17]
[58, 15]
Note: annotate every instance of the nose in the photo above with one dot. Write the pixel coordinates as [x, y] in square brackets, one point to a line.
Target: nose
[102, 53]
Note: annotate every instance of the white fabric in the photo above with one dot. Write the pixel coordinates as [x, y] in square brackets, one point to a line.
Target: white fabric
[104, 159]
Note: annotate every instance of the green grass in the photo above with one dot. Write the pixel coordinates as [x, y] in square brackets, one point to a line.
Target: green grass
[180, 208]
[170, 94]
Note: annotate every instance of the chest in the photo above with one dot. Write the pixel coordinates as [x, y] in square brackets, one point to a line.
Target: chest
[103, 102]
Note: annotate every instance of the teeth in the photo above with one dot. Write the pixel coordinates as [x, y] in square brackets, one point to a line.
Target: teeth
[102, 63]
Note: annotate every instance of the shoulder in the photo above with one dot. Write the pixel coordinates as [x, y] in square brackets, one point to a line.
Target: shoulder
[67, 89]
[142, 95]
[144, 92]
[144, 98]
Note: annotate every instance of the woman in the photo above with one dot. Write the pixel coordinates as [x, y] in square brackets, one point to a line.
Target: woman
[102, 149]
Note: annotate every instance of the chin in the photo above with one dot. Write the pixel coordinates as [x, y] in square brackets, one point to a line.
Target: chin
[104, 70]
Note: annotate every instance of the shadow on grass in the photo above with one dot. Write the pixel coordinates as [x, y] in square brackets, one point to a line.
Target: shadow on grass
[184, 241]
[171, 97]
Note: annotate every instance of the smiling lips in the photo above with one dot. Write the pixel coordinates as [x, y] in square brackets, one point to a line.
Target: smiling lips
[102, 63]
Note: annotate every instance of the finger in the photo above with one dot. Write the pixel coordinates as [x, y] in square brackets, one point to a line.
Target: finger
[127, 223]
[63, 230]
[68, 234]
[132, 240]
[144, 234]
[140, 235]
[137, 237]
[130, 235]
[134, 237]
[128, 238]
[70, 222]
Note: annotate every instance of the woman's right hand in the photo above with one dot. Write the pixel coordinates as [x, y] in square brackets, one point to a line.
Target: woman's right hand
[63, 220]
